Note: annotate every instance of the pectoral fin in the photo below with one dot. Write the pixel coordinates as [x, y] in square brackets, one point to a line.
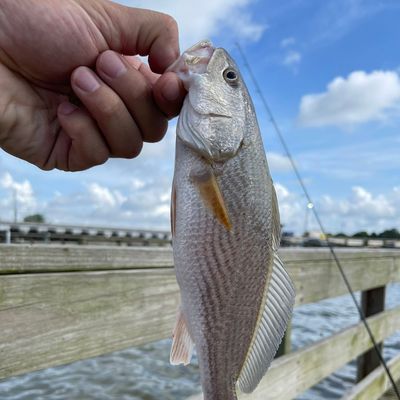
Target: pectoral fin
[182, 344]
[210, 193]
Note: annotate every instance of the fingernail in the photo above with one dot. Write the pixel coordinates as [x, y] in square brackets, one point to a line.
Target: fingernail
[85, 80]
[171, 90]
[66, 108]
[112, 65]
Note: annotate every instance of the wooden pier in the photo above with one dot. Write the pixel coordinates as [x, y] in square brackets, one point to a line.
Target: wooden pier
[60, 304]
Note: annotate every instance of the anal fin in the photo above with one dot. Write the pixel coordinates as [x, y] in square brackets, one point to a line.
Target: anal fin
[182, 344]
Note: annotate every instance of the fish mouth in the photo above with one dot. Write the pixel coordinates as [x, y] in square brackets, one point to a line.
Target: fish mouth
[194, 60]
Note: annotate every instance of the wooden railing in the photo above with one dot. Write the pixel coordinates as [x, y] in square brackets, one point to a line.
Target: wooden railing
[59, 304]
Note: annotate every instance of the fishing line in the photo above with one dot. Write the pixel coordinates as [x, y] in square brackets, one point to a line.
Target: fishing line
[318, 219]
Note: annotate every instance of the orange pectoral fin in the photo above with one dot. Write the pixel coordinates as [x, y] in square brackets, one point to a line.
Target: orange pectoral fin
[210, 193]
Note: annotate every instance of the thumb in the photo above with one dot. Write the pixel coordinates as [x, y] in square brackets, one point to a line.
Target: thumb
[145, 32]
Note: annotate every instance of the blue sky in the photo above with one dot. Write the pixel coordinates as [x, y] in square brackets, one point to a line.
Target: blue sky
[330, 72]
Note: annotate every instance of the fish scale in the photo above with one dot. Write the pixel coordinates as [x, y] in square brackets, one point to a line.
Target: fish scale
[223, 231]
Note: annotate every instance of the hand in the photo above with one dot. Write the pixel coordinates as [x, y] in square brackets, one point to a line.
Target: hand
[69, 99]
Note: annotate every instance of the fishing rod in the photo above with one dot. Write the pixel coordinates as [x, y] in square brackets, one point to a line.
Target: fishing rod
[318, 219]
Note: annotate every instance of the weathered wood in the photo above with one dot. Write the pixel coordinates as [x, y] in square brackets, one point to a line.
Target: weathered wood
[372, 302]
[375, 384]
[286, 345]
[304, 368]
[318, 280]
[365, 269]
[53, 319]
[56, 258]
[59, 304]
[48, 258]
[390, 394]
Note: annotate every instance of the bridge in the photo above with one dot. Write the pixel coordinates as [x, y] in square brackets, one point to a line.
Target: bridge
[34, 233]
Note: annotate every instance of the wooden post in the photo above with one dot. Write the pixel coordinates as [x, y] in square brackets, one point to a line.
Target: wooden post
[372, 302]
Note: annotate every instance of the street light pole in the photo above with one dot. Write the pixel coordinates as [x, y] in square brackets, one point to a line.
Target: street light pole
[15, 205]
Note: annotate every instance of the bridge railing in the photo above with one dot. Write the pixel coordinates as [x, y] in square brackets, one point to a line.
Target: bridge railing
[60, 304]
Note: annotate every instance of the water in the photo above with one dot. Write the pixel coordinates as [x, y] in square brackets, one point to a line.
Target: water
[144, 373]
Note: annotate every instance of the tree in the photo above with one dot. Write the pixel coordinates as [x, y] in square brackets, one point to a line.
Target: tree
[39, 218]
[361, 234]
[340, 234]
[390, 234]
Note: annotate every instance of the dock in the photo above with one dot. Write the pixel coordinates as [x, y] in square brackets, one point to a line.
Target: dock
[62, 303]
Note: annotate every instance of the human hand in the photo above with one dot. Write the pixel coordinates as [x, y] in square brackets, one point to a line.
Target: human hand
[54, 51]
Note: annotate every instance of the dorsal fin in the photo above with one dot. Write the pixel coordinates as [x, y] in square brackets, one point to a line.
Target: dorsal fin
[277, 311]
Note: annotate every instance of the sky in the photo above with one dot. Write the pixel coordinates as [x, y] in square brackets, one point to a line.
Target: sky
[330, 71]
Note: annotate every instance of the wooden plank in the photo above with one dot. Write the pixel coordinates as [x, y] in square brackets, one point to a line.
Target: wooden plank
[390, 394]
[375, 384]
[372, 302]
[316, 281]
[286, 345]
[55, 319]
[304, 368]
[58, 258]
[49, 319]
[365, 269]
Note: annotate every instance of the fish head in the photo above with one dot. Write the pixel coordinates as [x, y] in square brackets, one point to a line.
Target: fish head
[213, 117]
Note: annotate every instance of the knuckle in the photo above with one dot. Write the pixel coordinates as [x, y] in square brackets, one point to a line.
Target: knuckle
[155, 131]
[99, 157]
[110, 108]
[170, 23]
[133, 152]
[142, 92]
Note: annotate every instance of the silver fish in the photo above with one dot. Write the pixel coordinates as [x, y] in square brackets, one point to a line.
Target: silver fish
[236, 297]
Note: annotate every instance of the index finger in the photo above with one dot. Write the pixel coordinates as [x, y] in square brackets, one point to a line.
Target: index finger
[144, 32]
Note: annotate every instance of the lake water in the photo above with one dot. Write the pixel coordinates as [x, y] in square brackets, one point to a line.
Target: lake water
[144, 373]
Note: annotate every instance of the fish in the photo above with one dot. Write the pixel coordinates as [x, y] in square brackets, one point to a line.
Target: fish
[236, 296]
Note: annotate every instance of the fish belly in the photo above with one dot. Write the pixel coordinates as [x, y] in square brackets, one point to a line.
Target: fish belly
[222, 273]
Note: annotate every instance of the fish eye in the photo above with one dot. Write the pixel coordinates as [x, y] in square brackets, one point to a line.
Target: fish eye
[231, 76]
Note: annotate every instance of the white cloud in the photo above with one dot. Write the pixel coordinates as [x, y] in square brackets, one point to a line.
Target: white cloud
[127, 193]
[95, 204]
[359, 210]
[15, 194]
[362, 210]
[289, 41]
[292, 58]
[103, 197]
[359, 98]
[278, 163]
[228, 17]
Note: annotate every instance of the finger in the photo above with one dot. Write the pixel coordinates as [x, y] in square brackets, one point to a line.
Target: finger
[143, 32]
[142, 67]
[135, 91]
[80, 144]
[120, 131]
[169, 94]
